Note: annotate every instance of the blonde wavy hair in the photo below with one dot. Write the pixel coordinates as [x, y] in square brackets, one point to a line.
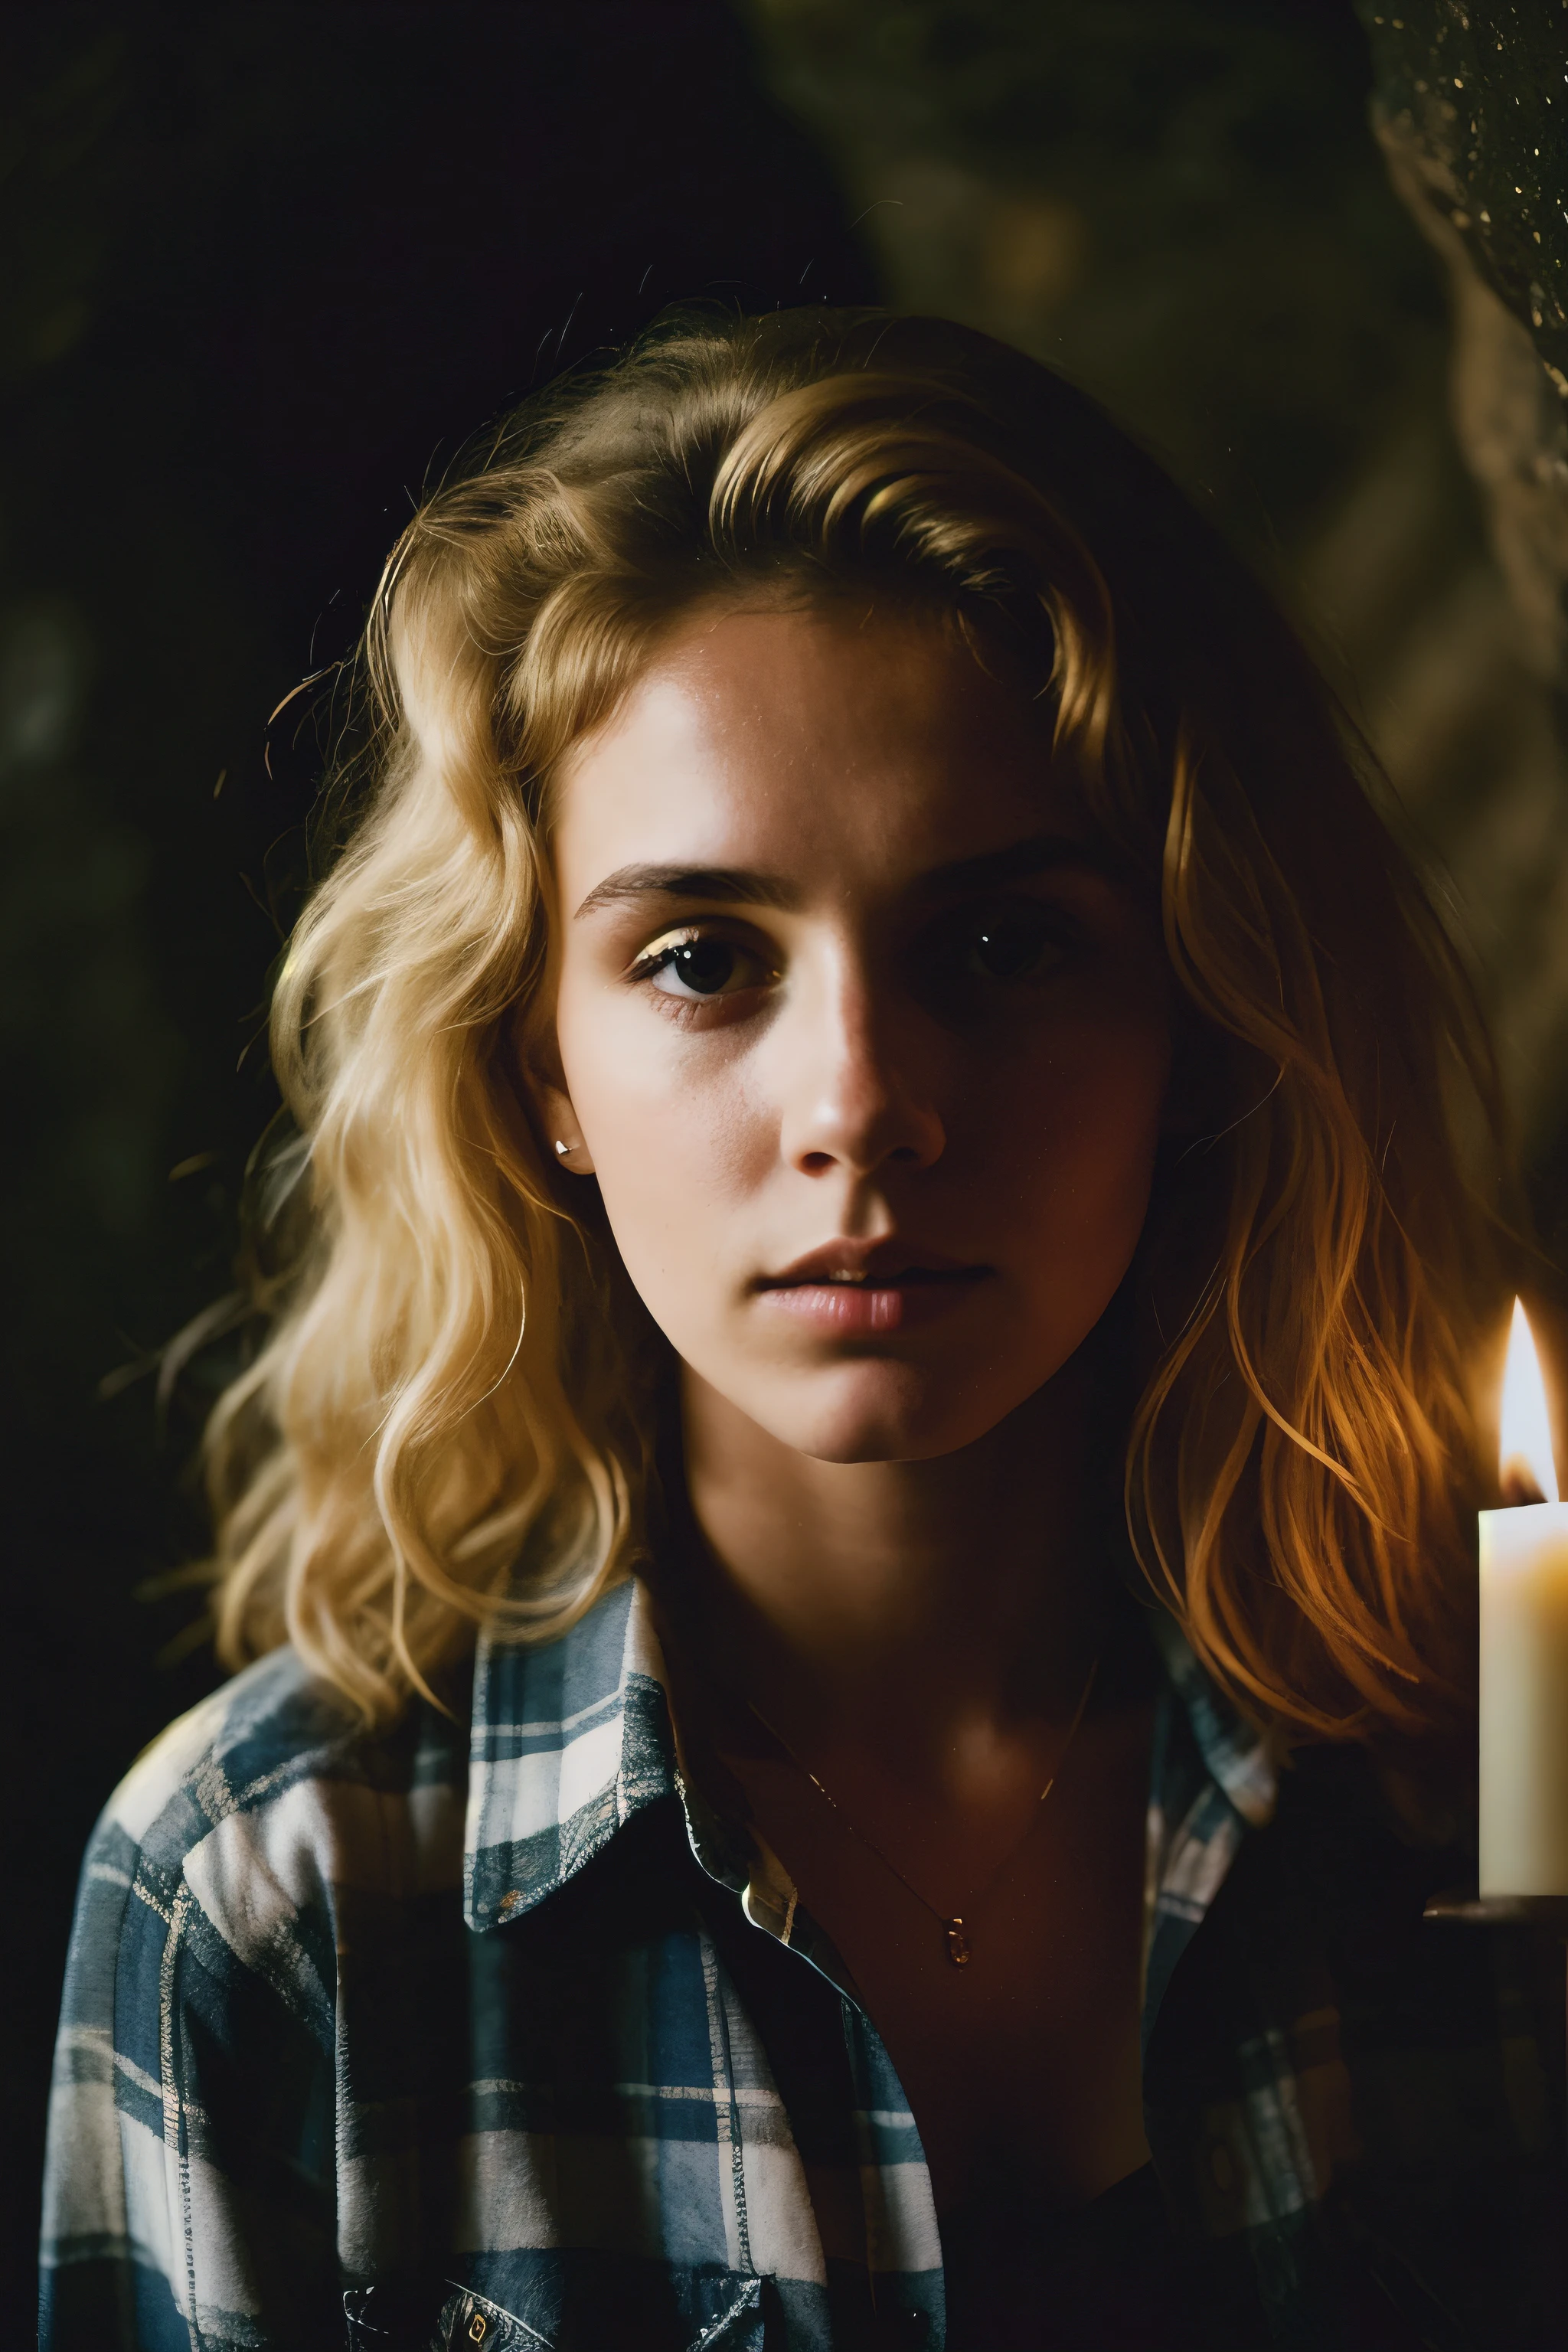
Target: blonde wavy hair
[449, 1422]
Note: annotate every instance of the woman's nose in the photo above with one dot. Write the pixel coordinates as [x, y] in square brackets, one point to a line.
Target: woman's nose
[859, 1097]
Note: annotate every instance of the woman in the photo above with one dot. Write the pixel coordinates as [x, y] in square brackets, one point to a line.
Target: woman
[879, 1337]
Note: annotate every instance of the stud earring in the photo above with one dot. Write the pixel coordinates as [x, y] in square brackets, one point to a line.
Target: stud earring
[564, 1150]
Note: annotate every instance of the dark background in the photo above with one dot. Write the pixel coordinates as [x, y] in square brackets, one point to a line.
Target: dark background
[266, 266]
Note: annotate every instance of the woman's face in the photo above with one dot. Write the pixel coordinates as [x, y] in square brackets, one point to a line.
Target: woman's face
[864, 1040]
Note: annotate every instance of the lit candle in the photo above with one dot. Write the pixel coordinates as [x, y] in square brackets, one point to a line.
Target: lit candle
[1524, 1651]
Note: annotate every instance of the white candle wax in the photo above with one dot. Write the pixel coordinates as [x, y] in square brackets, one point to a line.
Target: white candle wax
[1524, 1700]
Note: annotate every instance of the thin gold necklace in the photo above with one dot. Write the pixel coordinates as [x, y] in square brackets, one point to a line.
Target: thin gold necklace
[954, 1928]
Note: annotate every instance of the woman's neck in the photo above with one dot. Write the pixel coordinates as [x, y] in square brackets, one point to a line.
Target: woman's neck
[927, 1608]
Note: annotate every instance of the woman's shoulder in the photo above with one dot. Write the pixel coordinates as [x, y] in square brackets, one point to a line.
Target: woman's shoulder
[271, 1798]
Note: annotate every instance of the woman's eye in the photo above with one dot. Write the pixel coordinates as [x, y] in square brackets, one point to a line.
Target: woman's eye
[1019, 942]
[701, 966]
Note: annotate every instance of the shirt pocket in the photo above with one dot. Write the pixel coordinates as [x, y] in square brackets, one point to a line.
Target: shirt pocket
[740, 2327]
[472, 2323]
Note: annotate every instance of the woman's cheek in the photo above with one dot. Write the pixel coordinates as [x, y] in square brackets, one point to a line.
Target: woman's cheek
[672, 1160]
[1084, 1177]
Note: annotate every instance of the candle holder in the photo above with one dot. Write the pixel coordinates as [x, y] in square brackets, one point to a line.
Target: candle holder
[1461, 1906]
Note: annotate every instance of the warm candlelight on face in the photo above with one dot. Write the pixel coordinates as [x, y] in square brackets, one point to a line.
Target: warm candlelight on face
[1524, 1649]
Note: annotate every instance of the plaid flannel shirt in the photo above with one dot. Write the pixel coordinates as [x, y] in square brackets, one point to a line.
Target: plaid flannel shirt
[496, 2037]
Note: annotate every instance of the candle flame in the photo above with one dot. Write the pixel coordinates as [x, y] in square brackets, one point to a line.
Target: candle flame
[1526, 1448]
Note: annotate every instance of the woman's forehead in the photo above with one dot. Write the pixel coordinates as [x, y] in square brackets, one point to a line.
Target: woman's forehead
[865, 738]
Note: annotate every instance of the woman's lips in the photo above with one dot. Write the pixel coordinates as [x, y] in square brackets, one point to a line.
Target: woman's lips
[855, 1305]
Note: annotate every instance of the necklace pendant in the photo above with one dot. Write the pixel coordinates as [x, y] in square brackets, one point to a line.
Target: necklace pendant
[958, 1948]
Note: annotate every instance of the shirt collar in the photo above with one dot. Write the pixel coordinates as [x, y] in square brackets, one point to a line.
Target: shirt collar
[571, 1737]
[1243, 1760]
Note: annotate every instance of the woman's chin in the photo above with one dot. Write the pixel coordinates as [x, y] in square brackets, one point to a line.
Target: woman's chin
[879, 1413]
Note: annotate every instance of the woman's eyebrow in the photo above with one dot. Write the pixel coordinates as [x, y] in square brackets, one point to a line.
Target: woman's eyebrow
[1042, 853]
[743, 885]
[734, 885]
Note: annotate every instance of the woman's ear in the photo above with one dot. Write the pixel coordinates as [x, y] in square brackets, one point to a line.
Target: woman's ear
[544, 1092]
